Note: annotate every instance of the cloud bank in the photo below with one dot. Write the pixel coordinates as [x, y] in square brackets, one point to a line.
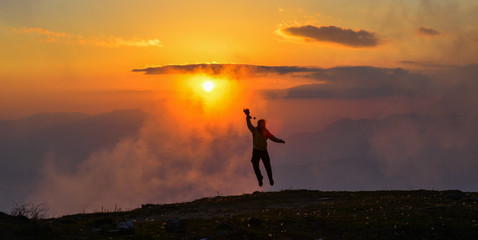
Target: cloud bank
[361, 82]
[340, 82]
[334, 34]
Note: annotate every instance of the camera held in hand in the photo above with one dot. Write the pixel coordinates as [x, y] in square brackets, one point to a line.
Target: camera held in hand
[248, 113]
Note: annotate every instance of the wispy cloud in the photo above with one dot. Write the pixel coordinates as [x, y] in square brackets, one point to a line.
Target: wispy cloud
[50, 36]
[333, 34]
[102, 41]
[424, 31]
[114, 41]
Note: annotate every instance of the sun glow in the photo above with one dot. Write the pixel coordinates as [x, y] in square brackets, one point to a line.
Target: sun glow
[195, 106]
[208, 86]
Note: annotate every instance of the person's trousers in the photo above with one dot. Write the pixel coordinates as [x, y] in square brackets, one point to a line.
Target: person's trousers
[257, 155]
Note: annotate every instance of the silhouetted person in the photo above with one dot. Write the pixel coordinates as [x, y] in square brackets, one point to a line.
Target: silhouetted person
[260, 134]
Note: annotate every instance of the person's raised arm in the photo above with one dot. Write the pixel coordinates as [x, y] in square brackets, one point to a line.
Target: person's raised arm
[248, 120]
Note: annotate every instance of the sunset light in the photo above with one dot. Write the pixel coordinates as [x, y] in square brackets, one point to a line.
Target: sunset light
[208, 86]
[108, 105]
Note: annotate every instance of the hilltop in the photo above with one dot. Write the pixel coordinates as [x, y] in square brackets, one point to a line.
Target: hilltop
[290, 214]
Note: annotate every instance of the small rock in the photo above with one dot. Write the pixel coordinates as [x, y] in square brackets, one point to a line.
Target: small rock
[127, 225]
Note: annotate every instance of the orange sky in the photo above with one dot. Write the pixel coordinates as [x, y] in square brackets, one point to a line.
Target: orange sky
[78, 56]
[302, 65]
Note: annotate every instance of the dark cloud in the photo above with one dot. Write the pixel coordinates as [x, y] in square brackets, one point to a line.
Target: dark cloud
[430, 65]
[358, 82]
[218, 69]
[427, 31]
[347, 37]
[453, 83]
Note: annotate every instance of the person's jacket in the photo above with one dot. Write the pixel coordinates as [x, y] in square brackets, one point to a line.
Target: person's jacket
[259, 140]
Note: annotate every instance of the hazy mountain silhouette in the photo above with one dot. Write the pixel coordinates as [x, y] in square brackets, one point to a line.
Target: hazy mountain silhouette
[396, 152]
[70, 137]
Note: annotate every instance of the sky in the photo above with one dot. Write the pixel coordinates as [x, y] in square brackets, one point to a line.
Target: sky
[304, 66]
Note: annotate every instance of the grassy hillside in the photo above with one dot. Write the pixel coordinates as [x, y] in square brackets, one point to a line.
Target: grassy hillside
[291, 214]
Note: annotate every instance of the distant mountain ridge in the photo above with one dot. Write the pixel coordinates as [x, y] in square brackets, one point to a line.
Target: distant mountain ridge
[65, 133]
[397, 152]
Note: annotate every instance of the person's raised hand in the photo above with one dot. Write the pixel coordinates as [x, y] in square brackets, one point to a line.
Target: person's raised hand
[248, 114]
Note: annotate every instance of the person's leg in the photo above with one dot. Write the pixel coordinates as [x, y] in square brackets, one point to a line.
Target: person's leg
[255, 164]
[267, 164]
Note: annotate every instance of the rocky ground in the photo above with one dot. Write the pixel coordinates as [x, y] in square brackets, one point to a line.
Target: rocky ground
[291, 214]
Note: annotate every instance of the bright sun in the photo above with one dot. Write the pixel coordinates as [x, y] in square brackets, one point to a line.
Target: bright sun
[208, 86]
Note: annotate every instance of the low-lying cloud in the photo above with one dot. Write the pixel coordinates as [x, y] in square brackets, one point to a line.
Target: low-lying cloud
[67, 139]
[405, 151]
[161, 163]
[334, 34]
[83, 163]
[232, 70]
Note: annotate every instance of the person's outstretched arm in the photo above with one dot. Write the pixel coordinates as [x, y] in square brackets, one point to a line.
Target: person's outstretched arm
[273, 138]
